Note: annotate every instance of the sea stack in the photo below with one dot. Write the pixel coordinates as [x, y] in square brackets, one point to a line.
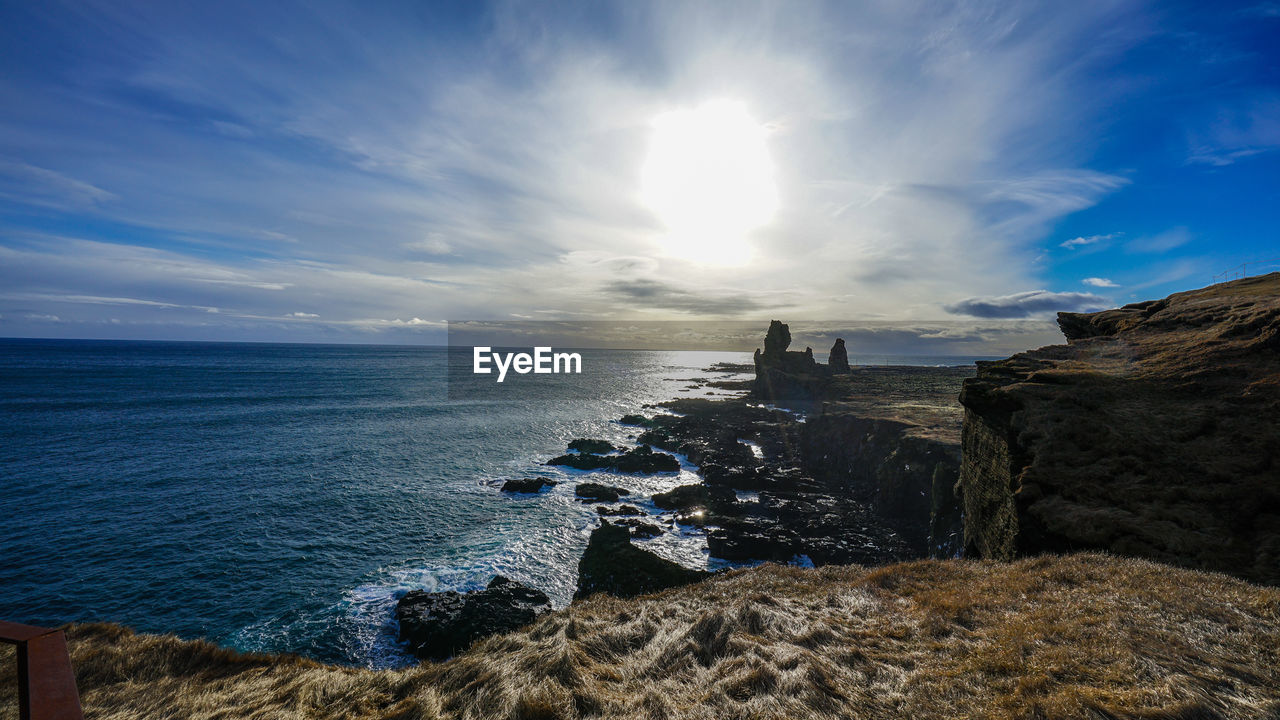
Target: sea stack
[838, 361]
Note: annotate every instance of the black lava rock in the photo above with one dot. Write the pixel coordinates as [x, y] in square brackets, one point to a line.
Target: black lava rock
[595, 492]
[684, 497]
[611, 564]
[620, 511]
[638, 460]
[440, 625]
[588, 445]
[527, 485]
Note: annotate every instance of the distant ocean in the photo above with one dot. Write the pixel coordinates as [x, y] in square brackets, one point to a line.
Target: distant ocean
[279, 497]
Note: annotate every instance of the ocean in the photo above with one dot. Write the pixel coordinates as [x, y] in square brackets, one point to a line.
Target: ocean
[280, 498]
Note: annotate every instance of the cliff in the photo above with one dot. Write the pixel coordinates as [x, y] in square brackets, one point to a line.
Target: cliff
[1050, 637]
[1155, 432]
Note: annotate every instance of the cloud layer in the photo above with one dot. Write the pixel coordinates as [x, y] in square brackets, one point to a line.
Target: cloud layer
[340, 172]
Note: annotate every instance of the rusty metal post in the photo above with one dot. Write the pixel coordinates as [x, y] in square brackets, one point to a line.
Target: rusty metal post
[46, 682]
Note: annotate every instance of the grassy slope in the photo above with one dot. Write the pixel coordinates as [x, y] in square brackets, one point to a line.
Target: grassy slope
[1079, 636]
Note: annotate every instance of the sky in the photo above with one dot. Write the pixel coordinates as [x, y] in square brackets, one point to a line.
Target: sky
[365, 172]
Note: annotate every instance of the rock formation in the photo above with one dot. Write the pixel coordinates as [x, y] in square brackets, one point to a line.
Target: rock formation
[611, 564]
[838, 361]
[589, 445]
[442, 624]
[782, 374]
[595, 492]
[527, 485]
[1154, 432]
[636, 460]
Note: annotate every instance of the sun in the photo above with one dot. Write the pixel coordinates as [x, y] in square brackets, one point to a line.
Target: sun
[709, 179]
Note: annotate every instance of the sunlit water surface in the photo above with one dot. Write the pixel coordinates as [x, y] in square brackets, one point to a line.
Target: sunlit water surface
[281, 497]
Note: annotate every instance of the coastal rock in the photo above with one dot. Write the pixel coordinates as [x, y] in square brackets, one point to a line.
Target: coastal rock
[641, 460]
[442, 624]
[620, 511]
[595, 492]
[644, 530]
[589, 445]
[611, 564]
[777, 339]
[636, 420]
[782, 525]
[783, 375]
[878, 462]
[838, 361]
[527, 485]
[682, 498]
[1152, 433]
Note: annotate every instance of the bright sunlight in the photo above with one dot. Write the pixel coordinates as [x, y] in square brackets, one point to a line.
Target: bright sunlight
[709, 178]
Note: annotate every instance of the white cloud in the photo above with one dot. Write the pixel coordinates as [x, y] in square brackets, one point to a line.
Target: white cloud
[1099, 282]
[1082, 241]
[1028, 304]
[921, 154]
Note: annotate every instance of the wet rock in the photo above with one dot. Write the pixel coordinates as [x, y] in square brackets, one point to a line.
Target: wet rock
[829, 530]
[611, 564]
[636, 420]
[588, 445]
[695, 518]
[527, 485]
[644, 530]
[620, 511]
[439, 625]
[684, 497]
[595, 492]
[638, 460]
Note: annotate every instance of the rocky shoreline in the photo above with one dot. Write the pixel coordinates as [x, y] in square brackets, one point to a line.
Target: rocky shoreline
[811, 464]
[1151, 433]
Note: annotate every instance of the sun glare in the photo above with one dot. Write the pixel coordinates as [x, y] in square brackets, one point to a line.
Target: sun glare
[709, 178]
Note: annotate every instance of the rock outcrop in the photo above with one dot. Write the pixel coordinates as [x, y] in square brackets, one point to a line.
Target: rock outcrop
[783, 374]
[527, 485]
[438, 625]
[590, 445]
[838, 360]
[595, 492]
[611, 564]
[636, 460]
[1155, 432]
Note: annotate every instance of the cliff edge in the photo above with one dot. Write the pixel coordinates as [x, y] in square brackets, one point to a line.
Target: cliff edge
[1155, 432]
[1084, 636]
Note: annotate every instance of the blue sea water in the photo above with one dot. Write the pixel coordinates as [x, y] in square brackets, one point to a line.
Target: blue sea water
[281, 497]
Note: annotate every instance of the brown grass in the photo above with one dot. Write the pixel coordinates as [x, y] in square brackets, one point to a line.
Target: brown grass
[1083, 636]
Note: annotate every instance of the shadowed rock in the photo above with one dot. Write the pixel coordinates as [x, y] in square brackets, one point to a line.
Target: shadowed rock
[595, 492]
[611, 564]
[1153, 432]
[588, 445]
[838, 362]
[527, 485]
[620, 511]
[439, 625]
[637, 460]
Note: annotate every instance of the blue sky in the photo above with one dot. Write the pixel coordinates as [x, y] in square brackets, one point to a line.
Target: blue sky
[363, 172]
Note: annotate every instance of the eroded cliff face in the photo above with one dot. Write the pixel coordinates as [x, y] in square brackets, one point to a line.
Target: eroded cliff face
[1155, 432]
[879, 462]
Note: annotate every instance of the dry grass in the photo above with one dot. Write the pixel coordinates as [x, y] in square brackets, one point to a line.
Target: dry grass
[1082, 636]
